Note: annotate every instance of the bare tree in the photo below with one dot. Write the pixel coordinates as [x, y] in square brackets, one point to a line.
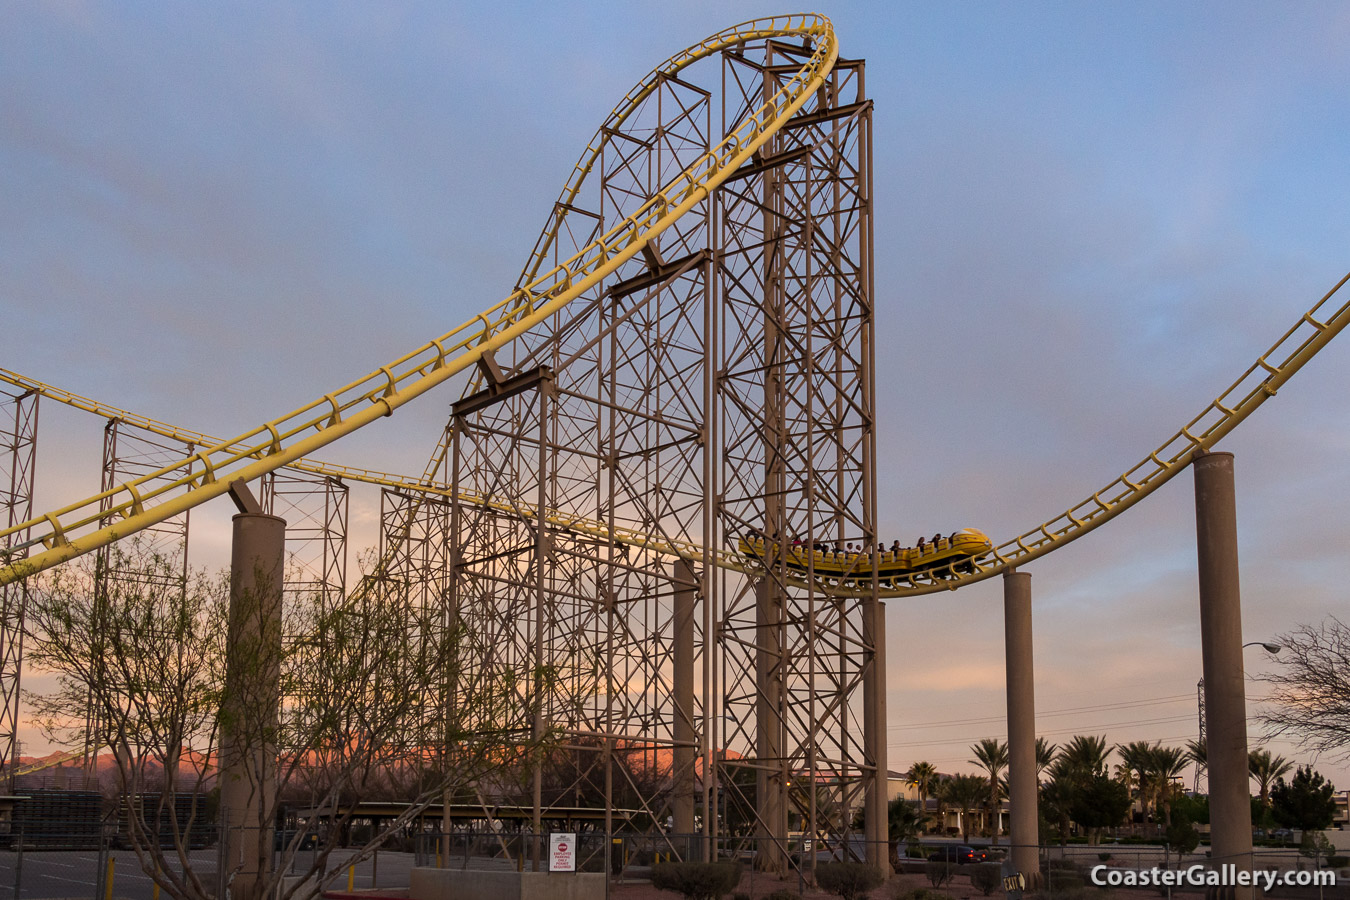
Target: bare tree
[1310, 691]
[364, 708]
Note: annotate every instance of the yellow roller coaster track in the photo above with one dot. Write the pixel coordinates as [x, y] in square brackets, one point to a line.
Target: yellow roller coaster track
[75, 529]
[1258, 383]
[554, 518]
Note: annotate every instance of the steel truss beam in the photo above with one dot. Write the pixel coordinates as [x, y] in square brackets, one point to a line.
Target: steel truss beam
[18, 466]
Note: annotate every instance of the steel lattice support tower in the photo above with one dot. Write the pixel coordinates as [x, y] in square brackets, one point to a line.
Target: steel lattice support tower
[720, 382]
[797, 413]
[18, 465]
[130, 451]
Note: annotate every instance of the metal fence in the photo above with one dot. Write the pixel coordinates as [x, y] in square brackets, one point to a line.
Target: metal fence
[44, 869]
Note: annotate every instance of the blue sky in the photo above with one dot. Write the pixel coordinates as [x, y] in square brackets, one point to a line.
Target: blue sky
[1090, 219]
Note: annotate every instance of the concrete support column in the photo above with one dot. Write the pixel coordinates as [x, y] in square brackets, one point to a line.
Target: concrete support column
[771, 777]
[685, 735]
[875, 821]
[1221, 647]
[249, 711]
[1022, 787]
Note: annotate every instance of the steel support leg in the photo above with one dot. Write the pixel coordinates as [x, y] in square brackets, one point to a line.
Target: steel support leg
[1022, 798]
[876, 821]
[686, 593]
[250, 708]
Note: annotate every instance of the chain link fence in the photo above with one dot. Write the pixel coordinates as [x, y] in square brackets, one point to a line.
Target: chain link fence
[53, 858]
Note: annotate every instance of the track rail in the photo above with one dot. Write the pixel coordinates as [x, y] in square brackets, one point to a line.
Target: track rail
[75, 529]
[1257, 384]
[425, 487]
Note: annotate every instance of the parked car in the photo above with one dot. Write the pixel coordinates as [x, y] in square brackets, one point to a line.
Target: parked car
[961, 854]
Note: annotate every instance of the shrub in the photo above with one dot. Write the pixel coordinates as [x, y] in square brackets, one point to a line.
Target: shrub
[1338, 862]
[918, 894]
[987, 877]
[740, 895]
[697, 881]
[939, 873]
[850, 880]
[1104, 857]
[782, 894]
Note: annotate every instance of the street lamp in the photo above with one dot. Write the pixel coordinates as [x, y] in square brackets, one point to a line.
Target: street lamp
[1269, 647]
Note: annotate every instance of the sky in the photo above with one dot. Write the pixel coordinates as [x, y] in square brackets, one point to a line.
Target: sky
[1090, 219]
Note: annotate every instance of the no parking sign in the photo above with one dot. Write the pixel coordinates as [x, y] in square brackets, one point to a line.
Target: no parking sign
[562, 852]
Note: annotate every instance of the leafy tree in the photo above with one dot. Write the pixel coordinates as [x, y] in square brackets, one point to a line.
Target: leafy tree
[1307, 803]
[1315, 846]
[1056, 805]
[992, 754]
[1309, 698]
[1079, 779]
[1099, 802]
[1181, 835]
[144, 644]
[1194, 808]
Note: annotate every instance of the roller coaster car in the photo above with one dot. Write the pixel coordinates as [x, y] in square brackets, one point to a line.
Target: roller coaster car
[945, 558]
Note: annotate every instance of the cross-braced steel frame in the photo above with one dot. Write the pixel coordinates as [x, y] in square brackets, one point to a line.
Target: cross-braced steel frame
[130, 451]
[718, 384]
[18, 466]
[315, 508]
[796, 424]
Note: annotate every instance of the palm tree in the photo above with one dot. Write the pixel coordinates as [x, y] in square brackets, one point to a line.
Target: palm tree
[939, 788]
[1045, 755]
[1166, 764]
[1265, 769]
[1086, 754]
[904, 821]
[922, 775]
[1136, 757]
[992, 754]
[1197, 751]
[966, 792]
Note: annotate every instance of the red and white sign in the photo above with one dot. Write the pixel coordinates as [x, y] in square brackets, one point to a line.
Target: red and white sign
[562, 852]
